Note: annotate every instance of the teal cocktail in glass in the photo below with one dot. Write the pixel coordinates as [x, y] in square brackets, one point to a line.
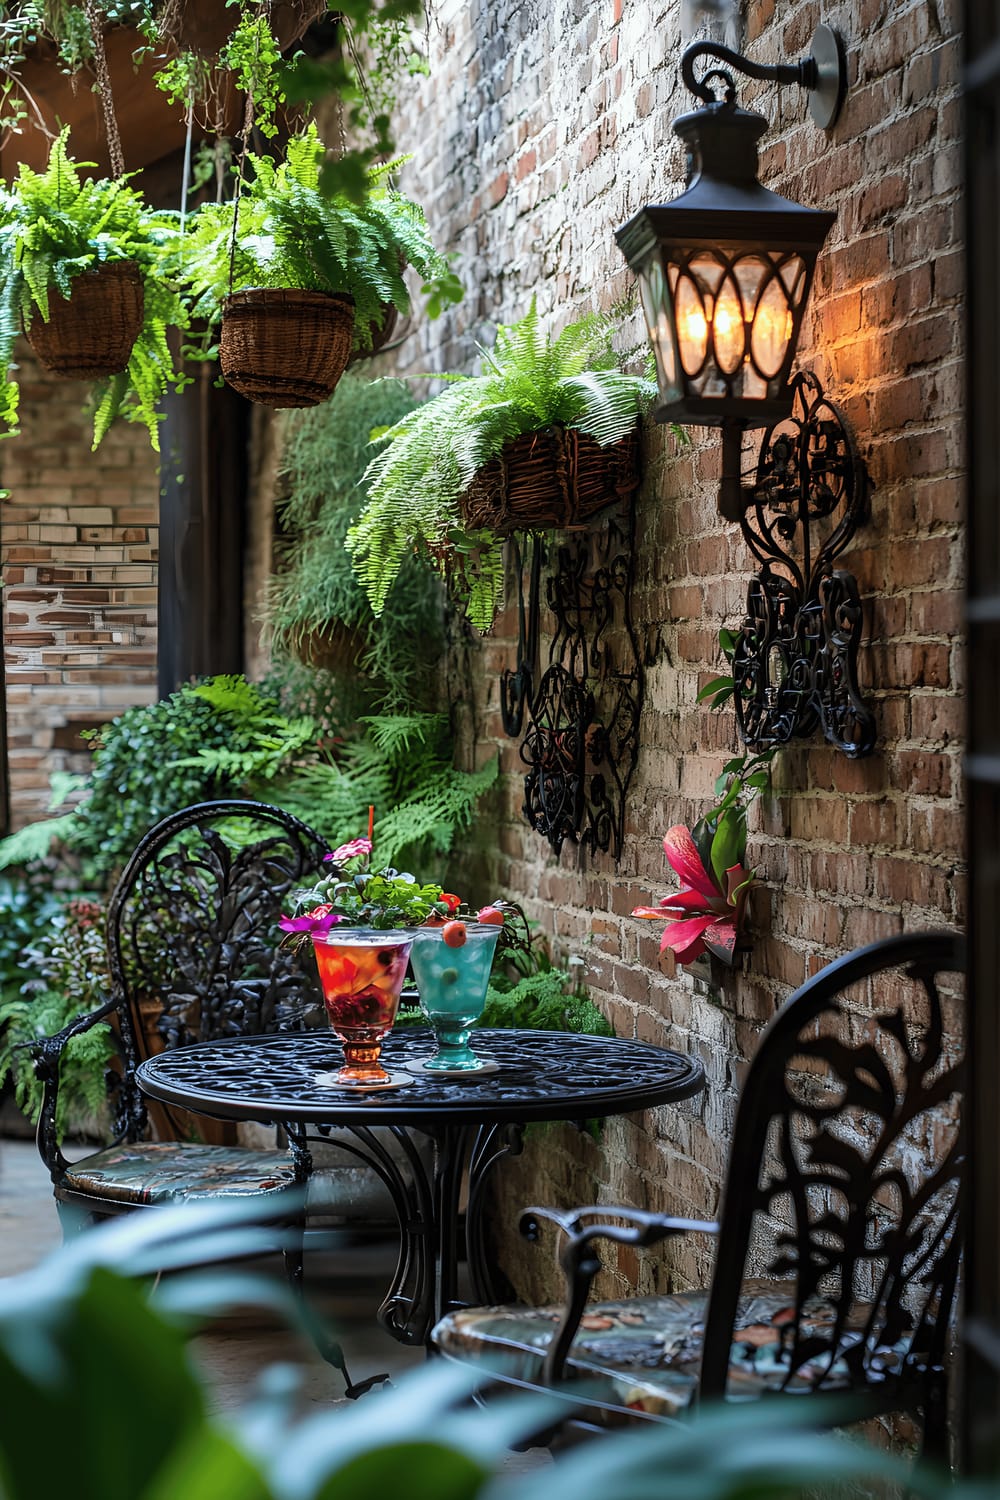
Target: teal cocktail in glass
[452, 979]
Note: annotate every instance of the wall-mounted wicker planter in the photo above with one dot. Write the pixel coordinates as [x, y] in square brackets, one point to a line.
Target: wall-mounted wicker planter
[551, 479]
[282, 347]
[90, 334]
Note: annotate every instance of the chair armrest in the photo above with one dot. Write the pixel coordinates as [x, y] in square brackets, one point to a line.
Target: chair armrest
[580, 1263]
[46, 1052]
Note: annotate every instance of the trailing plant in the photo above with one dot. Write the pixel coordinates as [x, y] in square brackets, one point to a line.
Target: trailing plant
[379, 48]
[67, 967]
[56, 225]
[291, 234]
[315, 599]
[529, 381]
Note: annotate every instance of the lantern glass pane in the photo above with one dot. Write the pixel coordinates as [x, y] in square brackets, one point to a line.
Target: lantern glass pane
[729, 329]
[655, 307]
[772, 328]
[691, 309]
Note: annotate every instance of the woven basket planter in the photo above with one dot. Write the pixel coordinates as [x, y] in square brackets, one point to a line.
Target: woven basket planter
[380, 335]
[282, 347]
[549, 480]
[91, 333]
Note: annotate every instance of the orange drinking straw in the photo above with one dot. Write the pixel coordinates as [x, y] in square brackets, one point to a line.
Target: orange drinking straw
[371, 823]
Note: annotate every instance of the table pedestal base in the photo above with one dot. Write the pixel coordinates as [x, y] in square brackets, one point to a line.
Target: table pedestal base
[426, 1201]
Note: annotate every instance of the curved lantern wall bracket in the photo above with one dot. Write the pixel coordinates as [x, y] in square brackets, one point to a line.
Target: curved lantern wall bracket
[795, 662]
[725, 270]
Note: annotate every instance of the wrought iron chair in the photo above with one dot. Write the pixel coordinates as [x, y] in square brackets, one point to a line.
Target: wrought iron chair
[193, 955]
[843, 1188]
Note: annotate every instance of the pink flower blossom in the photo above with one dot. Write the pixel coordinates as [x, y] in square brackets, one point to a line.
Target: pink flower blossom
[701, 915]
[319, 920]
[351, 850]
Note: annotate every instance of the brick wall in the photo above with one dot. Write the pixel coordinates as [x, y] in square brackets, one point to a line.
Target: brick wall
[78, 536]
[540, 129]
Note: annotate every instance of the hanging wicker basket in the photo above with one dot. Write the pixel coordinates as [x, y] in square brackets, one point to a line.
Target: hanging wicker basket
[90, 334]
[381, 333]
[282, 347]
[550, 480]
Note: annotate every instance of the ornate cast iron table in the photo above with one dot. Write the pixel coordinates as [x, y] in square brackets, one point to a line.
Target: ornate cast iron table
[473, 1122]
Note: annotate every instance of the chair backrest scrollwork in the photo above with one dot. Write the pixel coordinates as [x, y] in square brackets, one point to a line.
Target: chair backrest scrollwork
[193, 932]
[846, 1169]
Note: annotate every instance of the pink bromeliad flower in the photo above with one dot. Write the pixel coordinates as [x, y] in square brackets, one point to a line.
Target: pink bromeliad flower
[708, 911]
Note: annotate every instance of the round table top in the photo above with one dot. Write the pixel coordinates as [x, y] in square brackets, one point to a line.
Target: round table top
[541, 1075]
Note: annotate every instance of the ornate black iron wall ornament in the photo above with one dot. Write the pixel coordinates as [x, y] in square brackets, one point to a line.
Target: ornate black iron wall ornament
[795, 664]
[579, 716]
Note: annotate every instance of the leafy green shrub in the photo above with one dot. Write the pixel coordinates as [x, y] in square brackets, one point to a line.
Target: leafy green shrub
[27, 905]
[529, 382]
[537, 994]
[65, 974]
[226, 737]
[54, 226]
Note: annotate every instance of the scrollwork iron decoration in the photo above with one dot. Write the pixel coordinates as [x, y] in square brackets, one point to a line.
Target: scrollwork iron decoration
[795, 663]
[579, 718]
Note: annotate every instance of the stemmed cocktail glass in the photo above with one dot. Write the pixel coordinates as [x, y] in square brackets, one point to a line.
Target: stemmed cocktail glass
[361, 970]
[453, 978]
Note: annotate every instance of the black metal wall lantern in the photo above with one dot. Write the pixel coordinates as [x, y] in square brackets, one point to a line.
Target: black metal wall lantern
[724, 275]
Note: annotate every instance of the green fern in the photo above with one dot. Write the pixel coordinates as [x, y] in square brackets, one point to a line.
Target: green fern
[290, 234]
[315, 592]
[529, 382]
[35, 841]
[57, 224]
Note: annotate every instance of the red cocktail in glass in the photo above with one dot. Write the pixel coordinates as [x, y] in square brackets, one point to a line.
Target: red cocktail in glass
[362, 970]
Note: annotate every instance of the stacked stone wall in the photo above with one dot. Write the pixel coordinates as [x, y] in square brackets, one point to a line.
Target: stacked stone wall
[540, 129]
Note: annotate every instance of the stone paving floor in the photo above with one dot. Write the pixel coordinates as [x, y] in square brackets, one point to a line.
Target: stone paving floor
[346, 1282]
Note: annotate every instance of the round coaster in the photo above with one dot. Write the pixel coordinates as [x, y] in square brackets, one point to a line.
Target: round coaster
[394, 1081]
[486, 1065]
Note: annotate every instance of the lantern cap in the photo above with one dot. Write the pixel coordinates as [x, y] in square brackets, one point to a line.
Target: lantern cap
[724, 201]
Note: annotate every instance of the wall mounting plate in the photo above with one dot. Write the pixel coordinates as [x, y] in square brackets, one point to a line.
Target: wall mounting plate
[827, 95]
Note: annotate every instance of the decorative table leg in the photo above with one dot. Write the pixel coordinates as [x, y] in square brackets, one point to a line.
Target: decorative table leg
[492, 1144]
[407, 1310]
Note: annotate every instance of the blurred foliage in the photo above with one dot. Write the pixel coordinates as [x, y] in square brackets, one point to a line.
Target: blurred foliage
[102, 1401]
[63, 970]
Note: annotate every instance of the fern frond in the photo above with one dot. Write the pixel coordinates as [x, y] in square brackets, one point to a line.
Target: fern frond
[414, 483]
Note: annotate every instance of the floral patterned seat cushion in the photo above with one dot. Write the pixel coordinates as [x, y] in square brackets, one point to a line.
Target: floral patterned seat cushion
[169, 1171]
[644, 1354]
